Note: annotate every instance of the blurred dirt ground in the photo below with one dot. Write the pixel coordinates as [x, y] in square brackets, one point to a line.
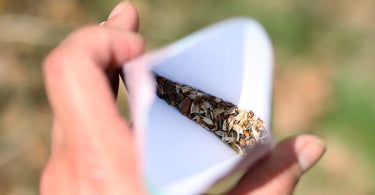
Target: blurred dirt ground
[324, 77]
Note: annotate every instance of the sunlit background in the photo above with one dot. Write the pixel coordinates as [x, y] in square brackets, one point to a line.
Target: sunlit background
[324, 77]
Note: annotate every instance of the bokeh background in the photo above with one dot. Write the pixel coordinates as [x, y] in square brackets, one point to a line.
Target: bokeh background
[324, 77]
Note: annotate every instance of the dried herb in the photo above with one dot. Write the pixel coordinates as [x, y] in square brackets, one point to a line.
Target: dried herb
[240, 129]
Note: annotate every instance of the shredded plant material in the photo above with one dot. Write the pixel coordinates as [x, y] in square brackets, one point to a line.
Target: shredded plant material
[240, 129]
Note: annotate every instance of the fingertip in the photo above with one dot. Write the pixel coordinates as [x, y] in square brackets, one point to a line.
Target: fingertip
[309, 149]
[280, 171]
[104, 44]
[124, 16]
[118, 9]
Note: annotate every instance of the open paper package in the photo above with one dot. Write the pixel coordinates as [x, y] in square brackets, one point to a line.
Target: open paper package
[231, 60]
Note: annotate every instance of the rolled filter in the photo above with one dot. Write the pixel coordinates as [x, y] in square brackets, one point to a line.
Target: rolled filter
[239, 129]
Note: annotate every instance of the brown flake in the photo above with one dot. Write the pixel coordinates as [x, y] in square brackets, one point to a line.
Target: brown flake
[185, 106]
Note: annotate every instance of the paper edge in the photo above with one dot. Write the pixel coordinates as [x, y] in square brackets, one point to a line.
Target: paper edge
[178, 46]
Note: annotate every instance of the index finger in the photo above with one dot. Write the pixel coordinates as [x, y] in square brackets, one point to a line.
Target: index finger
[76, 84]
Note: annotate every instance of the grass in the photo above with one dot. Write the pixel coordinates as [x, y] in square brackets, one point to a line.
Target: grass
[353, 116]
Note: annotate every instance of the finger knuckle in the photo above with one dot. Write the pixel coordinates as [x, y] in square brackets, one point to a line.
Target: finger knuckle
[59, 59]
[139, 47]
[53, 63]
[87, 34]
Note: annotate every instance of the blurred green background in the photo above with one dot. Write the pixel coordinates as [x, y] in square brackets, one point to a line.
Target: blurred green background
[324, 77]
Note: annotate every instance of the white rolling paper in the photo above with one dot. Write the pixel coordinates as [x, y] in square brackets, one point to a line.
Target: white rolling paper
[232, 60]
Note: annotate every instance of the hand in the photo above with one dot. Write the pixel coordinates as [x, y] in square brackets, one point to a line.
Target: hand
[279, 172]
[92, 147]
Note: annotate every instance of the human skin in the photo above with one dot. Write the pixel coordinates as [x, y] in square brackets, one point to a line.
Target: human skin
[93, 151]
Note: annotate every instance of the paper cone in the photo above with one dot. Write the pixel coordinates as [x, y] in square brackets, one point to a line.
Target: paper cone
[232, 60]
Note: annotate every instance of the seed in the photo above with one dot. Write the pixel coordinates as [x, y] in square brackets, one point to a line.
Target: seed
[207, 121]
[194, 108]
[238, 129]
[207, 105]
[231, 110]
[218, 111]
[185, 89]
[225, 125]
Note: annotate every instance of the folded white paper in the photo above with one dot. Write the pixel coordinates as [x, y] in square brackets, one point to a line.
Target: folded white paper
[232, 60]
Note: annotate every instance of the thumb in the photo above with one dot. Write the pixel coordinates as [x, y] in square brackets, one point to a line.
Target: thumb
[124, 16]
[280, 171]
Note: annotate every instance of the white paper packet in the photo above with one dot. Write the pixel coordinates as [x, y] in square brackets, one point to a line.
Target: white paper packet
[232, 60]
